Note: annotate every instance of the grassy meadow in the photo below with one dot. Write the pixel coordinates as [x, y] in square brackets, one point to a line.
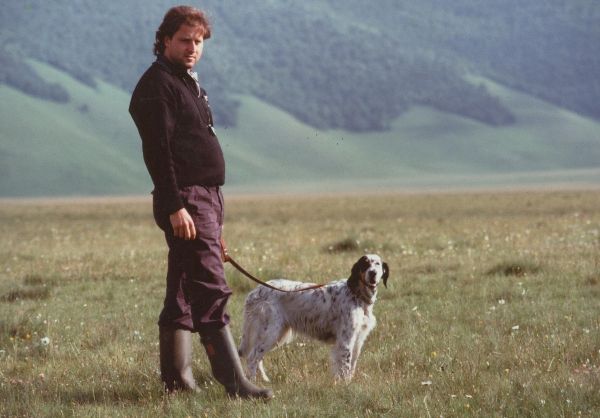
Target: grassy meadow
[492, 307]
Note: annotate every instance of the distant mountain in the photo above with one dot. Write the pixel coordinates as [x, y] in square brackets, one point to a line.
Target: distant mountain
[333, 64]
[318, 94]
[89, 146]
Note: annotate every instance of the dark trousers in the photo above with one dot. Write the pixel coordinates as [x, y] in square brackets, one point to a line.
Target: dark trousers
[197, 293]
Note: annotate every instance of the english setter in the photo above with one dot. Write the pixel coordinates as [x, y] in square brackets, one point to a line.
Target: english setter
[339, 313]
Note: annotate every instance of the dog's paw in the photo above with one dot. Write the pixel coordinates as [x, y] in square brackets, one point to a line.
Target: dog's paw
[342, 380]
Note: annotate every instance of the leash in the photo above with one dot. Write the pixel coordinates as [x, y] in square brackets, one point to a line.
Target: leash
[227, 259]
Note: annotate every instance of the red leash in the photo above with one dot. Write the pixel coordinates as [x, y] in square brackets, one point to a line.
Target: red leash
[227, 259]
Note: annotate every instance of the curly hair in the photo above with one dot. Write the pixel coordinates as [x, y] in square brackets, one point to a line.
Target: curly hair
[174, 18]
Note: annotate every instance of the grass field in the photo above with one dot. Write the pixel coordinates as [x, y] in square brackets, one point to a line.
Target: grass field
[491, 310]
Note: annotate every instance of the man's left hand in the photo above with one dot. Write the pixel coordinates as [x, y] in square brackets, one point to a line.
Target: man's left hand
[183, 224]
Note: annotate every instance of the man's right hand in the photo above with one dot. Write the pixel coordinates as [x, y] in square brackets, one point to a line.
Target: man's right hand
[183, 225]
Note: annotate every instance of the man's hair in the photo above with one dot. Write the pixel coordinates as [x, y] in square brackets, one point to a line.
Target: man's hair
[174, 18]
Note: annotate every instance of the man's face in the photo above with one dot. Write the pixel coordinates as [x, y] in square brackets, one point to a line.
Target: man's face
[185, 47]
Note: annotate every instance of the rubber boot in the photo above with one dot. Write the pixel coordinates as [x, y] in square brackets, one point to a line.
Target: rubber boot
[227, 367]
[176, 359]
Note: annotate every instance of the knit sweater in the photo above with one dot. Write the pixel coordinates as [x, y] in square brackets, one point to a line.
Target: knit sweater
[173, 118]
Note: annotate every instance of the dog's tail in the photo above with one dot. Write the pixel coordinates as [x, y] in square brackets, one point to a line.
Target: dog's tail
[257, 311]
[243, 348]
[251, 310]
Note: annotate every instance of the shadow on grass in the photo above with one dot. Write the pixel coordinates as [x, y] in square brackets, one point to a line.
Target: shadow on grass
[34, 288]
[593, 280]
[516, 269]
[89, 396]
[35, 293]
[354, 245]
[132, 393]
[344, 246]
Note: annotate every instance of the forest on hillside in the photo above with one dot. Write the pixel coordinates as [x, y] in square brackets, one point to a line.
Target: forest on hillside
[347, 64]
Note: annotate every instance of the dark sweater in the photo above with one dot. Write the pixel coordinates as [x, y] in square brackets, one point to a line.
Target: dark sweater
[175, 124]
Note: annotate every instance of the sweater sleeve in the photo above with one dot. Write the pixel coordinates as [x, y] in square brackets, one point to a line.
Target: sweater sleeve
[153, 108]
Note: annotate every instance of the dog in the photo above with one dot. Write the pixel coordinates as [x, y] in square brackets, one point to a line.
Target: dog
[339, 313]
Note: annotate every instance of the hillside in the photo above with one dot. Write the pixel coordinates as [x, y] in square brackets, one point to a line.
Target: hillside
[84, 146]
[333, 64]
[89, 146]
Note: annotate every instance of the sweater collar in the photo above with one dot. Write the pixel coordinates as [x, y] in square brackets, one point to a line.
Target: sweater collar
[170, 67]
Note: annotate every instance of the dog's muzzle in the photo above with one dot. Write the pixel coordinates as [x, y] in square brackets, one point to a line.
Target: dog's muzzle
[370, 279]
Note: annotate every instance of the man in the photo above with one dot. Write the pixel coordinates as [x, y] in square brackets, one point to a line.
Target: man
[185, 162]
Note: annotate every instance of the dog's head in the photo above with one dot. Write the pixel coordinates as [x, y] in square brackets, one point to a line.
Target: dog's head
[368, 271]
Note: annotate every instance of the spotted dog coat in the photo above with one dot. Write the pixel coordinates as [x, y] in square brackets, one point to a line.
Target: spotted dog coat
[339, 313]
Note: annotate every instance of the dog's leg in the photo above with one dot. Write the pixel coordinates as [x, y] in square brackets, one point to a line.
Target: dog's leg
[269, 333]
[275, 334]
[263, 374]
[255, 358]
[285, 338]
[252, 363]
[360, 340]
[341, 355]
[356, 351]
[341, 362]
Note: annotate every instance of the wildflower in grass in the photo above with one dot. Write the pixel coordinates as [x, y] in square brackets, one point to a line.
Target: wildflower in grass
[45, 341]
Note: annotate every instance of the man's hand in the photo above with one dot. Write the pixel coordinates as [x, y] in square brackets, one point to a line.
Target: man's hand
[183, 225]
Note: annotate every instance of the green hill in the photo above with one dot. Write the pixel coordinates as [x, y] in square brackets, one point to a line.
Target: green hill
[424, 147]
[89, 146]
[318, 94]
[84, 146]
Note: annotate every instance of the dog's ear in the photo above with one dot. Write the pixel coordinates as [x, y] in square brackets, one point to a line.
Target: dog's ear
[357, 268]
[386, 274]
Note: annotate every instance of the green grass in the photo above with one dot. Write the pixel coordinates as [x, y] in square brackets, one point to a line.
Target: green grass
[491, 307]
[90, 146]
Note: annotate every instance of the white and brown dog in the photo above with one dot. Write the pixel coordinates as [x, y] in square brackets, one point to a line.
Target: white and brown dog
[339, 313]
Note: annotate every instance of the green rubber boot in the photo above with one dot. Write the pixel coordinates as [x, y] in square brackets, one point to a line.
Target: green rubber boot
[227, 367]
[176, 359]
